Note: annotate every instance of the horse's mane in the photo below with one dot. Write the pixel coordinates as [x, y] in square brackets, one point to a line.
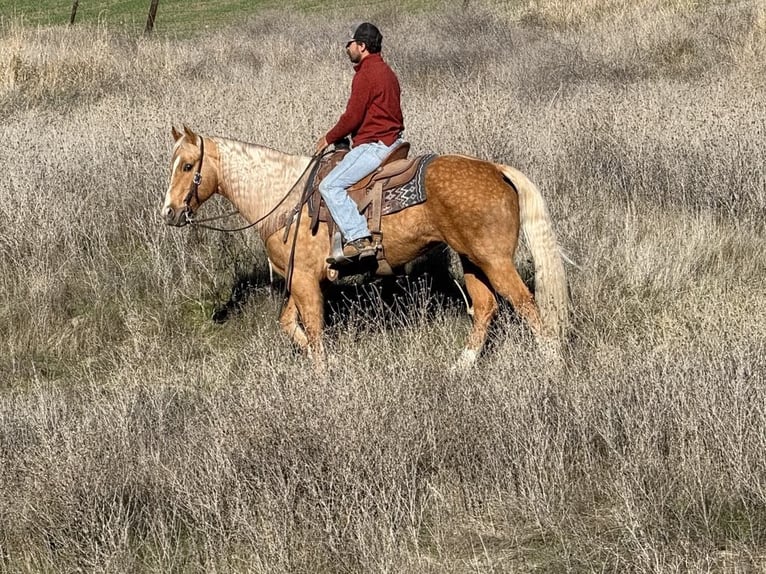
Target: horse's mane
[253, 149]
[256, 177]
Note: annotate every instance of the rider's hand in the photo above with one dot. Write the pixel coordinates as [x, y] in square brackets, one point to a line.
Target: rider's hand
[321, 144]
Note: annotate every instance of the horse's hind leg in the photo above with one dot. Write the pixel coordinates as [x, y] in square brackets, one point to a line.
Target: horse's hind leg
[479, 282]
[484, 308]
[507, 282]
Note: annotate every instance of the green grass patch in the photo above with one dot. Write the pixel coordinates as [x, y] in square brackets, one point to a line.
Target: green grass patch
[173, 16]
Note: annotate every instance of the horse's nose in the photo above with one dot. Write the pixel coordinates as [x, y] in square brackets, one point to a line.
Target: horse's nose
[169, 215]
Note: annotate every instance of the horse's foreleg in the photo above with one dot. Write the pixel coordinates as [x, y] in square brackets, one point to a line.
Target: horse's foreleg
[484, 310]
[310, 307]
[290, 324]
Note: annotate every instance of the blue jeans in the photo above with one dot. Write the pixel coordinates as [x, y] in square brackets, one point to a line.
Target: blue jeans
[358, 163]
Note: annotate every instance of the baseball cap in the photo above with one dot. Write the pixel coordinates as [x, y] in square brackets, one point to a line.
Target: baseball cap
[369, 34]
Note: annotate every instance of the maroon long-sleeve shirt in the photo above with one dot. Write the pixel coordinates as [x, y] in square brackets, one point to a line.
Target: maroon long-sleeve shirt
[374, 111]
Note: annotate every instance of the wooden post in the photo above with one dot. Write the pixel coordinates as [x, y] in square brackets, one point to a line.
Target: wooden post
[74, 12]
[152, 16]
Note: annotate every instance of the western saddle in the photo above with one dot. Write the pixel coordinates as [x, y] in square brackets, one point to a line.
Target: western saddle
[368, 193]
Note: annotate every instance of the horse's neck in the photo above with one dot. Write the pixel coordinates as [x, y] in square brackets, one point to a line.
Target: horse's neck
[256, 178]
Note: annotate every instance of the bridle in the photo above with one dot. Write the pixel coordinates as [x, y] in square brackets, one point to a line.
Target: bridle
[194, 187]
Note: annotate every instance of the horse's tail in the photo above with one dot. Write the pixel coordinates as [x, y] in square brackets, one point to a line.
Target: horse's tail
[551, 292]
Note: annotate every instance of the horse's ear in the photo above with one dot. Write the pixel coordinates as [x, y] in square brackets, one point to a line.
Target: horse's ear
[176, 134]
[190, 134]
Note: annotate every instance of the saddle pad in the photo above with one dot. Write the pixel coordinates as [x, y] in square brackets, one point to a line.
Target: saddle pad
[411, 193]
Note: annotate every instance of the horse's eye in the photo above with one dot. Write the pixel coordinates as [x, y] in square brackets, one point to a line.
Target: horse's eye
[187, 167]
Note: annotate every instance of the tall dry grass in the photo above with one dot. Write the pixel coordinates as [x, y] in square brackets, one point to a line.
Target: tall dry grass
[136, 435]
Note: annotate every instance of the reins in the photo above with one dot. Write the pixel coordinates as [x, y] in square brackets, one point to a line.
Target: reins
[306, 192]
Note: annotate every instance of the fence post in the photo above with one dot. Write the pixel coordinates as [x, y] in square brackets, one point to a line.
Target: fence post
[152, 16]
[74, 12]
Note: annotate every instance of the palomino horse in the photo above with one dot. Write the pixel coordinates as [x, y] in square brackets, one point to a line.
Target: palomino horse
[476, 207]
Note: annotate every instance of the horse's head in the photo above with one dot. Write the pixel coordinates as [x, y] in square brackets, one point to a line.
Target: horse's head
[192, 178]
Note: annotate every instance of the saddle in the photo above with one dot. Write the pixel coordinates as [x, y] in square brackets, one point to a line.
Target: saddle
[375, 194]
[398, 183]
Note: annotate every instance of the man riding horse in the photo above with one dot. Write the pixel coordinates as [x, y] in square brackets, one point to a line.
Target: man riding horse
[373, 118]
[476, 207]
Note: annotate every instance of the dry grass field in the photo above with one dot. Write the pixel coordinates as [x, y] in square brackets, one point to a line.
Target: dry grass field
[138, 435]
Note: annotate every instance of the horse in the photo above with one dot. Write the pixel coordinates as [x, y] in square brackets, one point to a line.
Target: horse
[474, 206]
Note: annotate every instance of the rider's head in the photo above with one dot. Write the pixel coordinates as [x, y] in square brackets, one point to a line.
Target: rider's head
[369, 35]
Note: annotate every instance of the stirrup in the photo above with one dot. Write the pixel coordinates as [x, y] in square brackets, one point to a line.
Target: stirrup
[338, 257]
[336, 252]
